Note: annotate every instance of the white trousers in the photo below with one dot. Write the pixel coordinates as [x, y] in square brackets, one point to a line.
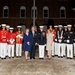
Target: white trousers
[53, 52]
[70, 50]
[74, 48]
[41, 51]
[64, 48]
[11, 50]
[60, 49]
[56, 48]
[7, 47]
[0, 49]
[3, 50]
[18, 49]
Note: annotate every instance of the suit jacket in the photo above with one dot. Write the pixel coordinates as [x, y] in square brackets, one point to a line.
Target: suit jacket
[34, 37]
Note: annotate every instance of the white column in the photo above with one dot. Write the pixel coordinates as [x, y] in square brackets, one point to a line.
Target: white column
[34, 13]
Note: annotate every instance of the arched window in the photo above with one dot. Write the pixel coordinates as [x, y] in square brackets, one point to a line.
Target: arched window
[32, 12]
[62, 12]
[45, 12]
[5, 11]
[23, 12]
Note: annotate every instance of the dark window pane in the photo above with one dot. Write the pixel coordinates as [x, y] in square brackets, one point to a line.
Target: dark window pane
[22, 13]
[5, 13]
[45, 11]
[45, 15]
[62, 15]
[62, 11]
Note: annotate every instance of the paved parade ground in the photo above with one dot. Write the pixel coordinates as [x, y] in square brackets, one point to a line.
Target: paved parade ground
[55, 66]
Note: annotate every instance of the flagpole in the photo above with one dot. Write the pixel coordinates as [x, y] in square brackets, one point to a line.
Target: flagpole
[33, 12]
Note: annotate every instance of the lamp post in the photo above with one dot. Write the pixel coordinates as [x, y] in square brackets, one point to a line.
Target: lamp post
[33, 12]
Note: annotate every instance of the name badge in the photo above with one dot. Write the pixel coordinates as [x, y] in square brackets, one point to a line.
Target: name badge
[60, 41]
[68, 41]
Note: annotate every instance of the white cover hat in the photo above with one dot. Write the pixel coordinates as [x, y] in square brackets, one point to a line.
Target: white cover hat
[69, 25]
[19, 26]
[65, 26]
[55, 26]
[3, 24]
[11, 28]
[41, 26]
[60, 26]
[7, 26]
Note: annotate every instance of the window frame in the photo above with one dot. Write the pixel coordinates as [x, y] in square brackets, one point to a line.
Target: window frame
[6, 7]
[45, 8]
[63, 8]
[22, 8]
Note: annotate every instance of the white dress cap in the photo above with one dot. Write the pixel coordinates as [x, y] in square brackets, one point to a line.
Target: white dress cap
[60, 26]
[7, 26]
[11, 28]
[69, 25]
[56, 26]
[41, 26]
[65, 26]
[3, 24]
[19, 26]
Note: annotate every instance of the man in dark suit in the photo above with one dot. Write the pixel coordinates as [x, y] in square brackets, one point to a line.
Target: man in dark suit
[33, 45]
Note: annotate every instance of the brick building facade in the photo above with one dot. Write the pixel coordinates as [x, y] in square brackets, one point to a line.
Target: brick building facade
[54, 12]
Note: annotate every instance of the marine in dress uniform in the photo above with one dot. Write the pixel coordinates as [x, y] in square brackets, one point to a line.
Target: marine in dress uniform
[70, 42]
[41, 40]
[11, 39]
[7, 29]
[19, 41]
[60, 41]
[0, 42]
[64, 42]
[55, 40]
[74, 43]
[3, 36]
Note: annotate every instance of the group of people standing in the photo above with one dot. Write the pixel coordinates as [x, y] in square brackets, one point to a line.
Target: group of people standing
[8, 40]
[58, 41]
[62, 41]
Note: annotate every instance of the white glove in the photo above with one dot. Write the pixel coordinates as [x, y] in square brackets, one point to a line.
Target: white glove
[11, 41]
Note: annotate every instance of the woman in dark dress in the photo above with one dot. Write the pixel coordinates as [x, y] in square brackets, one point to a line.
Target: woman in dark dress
[27, 42]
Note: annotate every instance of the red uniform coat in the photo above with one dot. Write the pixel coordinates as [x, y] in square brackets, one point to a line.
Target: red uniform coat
[3, 36]
[11, 37]
[21, 39]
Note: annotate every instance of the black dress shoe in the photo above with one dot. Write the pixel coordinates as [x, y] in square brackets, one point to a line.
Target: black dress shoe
[33, 57]
[61, 57]
[30, 58]
[52, 56]
[67, 57]
[58, 56]
[16, 56]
